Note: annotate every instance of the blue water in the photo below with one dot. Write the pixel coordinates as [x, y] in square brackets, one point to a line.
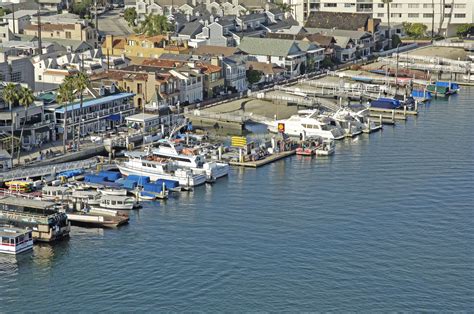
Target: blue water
[384, 225]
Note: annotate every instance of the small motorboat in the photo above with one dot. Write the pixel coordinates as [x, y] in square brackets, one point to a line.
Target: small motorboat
[328, 147]
[145, 196]
[112, 191]
[117, 202]
[309, 146]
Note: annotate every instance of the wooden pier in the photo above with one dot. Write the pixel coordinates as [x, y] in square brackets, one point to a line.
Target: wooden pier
[263, 162]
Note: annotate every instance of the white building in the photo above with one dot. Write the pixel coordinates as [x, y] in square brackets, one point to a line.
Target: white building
[190, 85]
[447, 15]
[18, 20]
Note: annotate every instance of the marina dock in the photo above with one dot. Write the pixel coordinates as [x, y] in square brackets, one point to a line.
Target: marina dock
[263, 162]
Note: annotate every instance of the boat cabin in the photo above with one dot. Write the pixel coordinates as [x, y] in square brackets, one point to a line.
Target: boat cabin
[117, 202]
[56, 192]
[15, 240]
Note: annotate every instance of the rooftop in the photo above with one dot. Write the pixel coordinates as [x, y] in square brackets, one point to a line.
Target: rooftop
[142, 117]
[92, 102]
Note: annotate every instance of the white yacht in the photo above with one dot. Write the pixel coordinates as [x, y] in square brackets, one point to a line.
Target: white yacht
[347, 122]
[143, 164]
[307, 123]
[197, 163]
[362, 114]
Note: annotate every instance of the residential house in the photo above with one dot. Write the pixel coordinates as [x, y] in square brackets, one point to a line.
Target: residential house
[142, 46]
[18, 20]
[269, 72]
[349, 44]
[152, 89]
[296, 57]
[17, 69]
[5, 33]
[77, 31]
[54, 5]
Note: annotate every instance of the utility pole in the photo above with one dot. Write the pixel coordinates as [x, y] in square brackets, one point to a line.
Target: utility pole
[13, 18]
[432, 21]
[40, 45]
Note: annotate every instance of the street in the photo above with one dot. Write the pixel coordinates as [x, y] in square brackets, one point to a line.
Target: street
[110, 23]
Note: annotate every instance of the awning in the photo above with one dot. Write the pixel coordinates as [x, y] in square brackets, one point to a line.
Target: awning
[114, 117]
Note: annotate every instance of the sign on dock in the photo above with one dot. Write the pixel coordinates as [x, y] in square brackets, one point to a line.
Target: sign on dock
[281, 127]
[239, 141]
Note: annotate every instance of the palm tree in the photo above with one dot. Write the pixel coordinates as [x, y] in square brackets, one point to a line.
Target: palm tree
[154, 25]
[65, 96]
[25, 98]
[10, 96]
[81, 82]
[387, 3]
[284, 7]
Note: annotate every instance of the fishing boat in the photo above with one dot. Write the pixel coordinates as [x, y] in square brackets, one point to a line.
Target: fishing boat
[169, 150]
[139, 163]
[117, 202]
[307, 123]
[15, 240]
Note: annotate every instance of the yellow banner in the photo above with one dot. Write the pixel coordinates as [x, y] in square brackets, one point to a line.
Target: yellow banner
[238, 141]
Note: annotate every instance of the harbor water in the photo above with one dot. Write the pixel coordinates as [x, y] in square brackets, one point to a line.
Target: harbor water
[386, 224]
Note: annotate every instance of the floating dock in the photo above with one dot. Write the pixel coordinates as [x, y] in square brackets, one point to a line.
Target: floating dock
[263, 162]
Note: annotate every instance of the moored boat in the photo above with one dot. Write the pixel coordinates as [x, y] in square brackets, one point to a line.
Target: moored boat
[15, 240]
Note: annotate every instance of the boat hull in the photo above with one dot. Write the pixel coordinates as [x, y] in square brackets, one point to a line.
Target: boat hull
[191, 180]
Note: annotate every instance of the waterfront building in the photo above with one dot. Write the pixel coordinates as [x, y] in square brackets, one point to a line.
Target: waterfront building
[97, 115]
[74, 31]
[39, 125]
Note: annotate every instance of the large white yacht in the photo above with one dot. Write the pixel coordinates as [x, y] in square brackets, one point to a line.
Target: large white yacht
[307, 123]
[169, 150]
[142, 164]
[362, 114]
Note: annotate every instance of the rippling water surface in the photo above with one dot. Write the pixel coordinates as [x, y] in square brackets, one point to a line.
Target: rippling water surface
[387, 224]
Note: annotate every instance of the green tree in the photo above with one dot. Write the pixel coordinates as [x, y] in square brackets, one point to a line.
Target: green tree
[464, 30]
[130, 15]
[82, 8]
[396, 40]
[10, 96]
[327, 63]
[25, 98]
[4, 11]
[415, 30]
[65, 96]
[154, 25]
[254, 76]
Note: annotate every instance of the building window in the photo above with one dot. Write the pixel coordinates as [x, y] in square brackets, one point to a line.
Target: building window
[427, 6]
[40, 77]
[379, 14]
[448, 6]
[68, 35]
[349, 5]
[460, 15]
[460, 6]
[413, 5]
[396, 5]
[399, 15]
[330, 5]
[448, 15]
[16, 77]
[139, 88]
[380, 5]
[413, 15]
[427, 15]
